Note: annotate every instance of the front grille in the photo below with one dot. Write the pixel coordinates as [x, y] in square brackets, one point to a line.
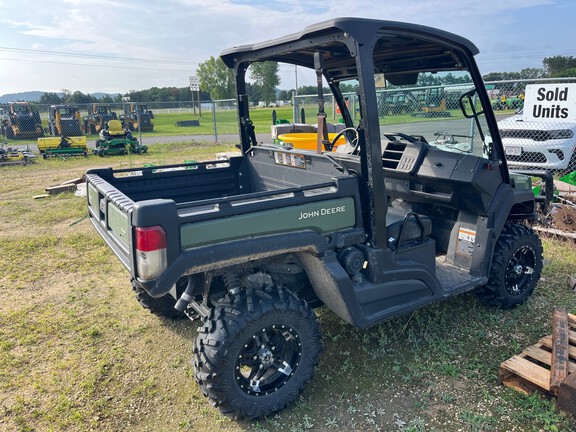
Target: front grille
[533, 134]
[536, 134]
[531, 157]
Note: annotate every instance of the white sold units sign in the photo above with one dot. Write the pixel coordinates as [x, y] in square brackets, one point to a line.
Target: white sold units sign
[550, 102]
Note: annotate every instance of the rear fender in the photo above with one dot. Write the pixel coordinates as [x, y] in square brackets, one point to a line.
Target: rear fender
[226, 254]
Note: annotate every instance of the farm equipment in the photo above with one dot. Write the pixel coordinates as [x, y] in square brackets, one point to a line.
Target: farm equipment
[14, 156]
[98, 116]
[65, 120]
[62, 146]
[137, 117]
[397, 102]
[21, 121]
[115, 140]
[434, 103]
[508, 102]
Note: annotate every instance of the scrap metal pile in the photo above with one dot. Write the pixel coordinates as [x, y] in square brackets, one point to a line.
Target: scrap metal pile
[561, 214]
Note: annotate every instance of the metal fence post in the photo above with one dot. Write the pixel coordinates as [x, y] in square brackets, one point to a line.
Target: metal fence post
[294, 108]
[214, 121]
[139, 129]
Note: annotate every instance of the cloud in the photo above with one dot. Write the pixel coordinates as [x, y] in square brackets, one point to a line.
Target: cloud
[193, 30]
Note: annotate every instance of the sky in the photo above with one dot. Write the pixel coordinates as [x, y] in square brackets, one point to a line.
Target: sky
[115, 46]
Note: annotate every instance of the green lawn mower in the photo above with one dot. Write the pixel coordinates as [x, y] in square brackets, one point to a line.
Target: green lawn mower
[115, 140]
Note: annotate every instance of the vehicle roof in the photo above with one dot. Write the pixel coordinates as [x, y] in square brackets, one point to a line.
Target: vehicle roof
[400, 47]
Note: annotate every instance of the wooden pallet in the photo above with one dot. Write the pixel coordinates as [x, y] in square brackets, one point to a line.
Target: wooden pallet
[537, 367]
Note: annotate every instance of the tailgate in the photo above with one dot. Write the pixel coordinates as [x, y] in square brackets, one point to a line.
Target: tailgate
[109, 211]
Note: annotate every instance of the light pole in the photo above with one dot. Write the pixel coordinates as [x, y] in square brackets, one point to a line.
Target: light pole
[195, 87]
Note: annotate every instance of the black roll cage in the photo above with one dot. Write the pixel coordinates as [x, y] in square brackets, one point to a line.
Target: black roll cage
[356, 48]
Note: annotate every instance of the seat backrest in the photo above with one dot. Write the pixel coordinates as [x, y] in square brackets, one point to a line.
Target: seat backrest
[115, 127]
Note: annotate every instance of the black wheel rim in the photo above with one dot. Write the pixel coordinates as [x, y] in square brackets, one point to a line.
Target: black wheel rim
[520, 270]
[268, 360]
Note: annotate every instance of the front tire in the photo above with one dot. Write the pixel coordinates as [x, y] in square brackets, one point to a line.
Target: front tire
[516, 267]
[256, 351]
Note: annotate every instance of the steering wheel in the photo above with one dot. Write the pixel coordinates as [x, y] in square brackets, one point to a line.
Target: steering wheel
[355, 142]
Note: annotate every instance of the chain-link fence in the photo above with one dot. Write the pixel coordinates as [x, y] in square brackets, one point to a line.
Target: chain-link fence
[434, 112]
[535, 137]
[430, 111]
[24, 121]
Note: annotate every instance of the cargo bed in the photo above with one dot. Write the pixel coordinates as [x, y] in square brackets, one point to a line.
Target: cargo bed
[272, 191]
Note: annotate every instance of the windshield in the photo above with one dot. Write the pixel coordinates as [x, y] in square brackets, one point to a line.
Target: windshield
[428, 110]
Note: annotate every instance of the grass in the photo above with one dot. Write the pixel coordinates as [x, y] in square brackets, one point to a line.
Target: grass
[226, 122]
[77, 352]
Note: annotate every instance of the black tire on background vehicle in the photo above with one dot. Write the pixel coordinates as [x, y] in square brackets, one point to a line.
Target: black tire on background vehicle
[256, 351]
[162, 306]
[516, 267]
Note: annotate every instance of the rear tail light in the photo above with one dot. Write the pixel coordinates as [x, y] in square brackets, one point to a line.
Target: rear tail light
[150, 252]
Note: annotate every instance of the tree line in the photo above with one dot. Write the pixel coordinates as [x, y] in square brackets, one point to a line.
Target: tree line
[217, 82]
[154, 94]
[553, 67]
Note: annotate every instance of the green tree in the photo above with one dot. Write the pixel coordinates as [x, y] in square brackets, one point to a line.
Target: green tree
[265, 76]
[106, 99]
[348, 88]
[501, 76]
[533, 73]
[215, 78]
[312, 90]
[50, 99]
[253, 92]
[557, 65]
[79, 98]
[568, 73]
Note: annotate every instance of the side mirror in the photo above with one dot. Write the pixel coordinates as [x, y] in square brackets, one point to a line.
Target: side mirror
[468, 102]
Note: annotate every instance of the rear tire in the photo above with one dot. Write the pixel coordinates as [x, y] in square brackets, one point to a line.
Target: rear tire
[516, 267]
[161, 306]
[256, 351]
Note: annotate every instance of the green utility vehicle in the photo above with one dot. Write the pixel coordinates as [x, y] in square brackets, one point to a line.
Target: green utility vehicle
[393, 221]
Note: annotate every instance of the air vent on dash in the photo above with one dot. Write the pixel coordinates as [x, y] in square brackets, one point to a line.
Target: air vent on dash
[403, 157]
[393, 154]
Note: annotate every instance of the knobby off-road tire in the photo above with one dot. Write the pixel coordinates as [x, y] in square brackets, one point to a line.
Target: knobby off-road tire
[162, 306]
[516, 267]
[256, 351]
